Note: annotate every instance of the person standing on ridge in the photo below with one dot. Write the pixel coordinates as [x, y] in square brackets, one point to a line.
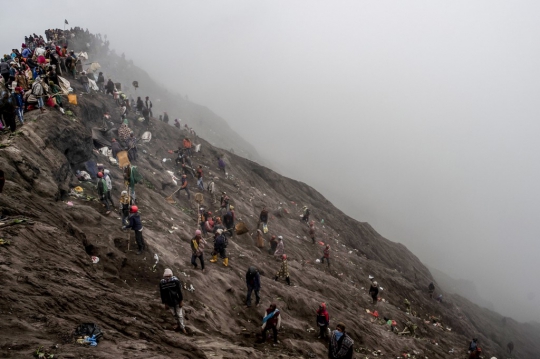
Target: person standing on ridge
[280, 248]
[170, 290]
[341, 345]
[323, 320]
[148, 105]
[374, 291]
[197, 246]
[283, 270]
[326, 255]
[271, 321]
[102, 192]
[165, 117]
[135, 224]
[253, 283]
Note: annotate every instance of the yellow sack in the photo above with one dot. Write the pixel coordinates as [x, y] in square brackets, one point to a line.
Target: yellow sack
[72, 98]
[241, 228]
[78, 189]
[123, 159]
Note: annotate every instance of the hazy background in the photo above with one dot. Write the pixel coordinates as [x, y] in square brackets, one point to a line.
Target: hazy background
[420, 117]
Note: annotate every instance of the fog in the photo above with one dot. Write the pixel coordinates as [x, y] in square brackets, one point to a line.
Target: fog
[420, 117]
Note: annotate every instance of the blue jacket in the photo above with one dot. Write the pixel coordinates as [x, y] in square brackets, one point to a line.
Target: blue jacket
[26, 53]
[135, 222]
[219, 243]
[18, 100]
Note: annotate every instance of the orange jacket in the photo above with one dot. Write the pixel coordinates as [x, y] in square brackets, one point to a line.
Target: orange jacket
[187, 143]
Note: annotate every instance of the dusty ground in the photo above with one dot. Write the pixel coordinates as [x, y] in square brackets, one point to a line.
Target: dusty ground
[49, 284]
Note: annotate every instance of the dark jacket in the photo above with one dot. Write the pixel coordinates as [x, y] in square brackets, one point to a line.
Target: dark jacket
[4, 68]
[374, 291]
[342, 348]
[100, 79]
[110, 85]
[219, 243]
[253, 279]
[228, 219]
[135, 222]
[263, 216]
[171, 291]
[115, 147]
[102, 187]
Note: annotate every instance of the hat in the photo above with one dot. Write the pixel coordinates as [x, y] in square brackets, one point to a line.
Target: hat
[106, 172]
[375, 283]
[219, 231]
[198, 232]
[280, 237]
[167, 273]
[231, 207]
[124, 193]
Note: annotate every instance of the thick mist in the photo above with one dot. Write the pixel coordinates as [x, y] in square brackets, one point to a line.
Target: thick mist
[419, 117]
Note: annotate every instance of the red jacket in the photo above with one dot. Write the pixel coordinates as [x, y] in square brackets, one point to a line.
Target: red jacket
[322, 312]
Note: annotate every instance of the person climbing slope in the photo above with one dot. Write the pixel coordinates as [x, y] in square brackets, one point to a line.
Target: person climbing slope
[326, 255]
[200, 178]
[283, 270]
[197, 246]
[323, 320]
[473, 345]
[273, 245]
[107, 176]
[341, 344]
[431, 289]
[135, 224]
[476, 354]
[170, 290]
[374, 291]
[221, 164]
[271, 321]
[184, 186]
[312, 232]
[211, 187]
[220, 245]
[263, 218]
[306, 213]
[259, 242]
[228, 221]
[280, 249]
[102, 192]
[124, 207]
[253, 283]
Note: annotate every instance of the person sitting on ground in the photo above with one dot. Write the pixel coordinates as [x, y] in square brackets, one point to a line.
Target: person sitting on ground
[135, 224]
[197, 246]
[341, 345]
[439, 298]
[374, 291]
[323, 320]
[271, 321]
[170, 290]
[280, 248]
[326, 255]
[102, 192]
[283, 270]
[253, 283]
[273, 245]
[431, 289]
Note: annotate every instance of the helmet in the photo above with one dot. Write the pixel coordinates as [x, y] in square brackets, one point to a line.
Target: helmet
[100, 175]
[198, 232]
[134, 209]
[284, 257]
[280, 237]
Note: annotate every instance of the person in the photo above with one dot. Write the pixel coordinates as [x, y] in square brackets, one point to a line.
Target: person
[476, 354]
[115, 148]
[341, 344]
[7, 107]
[280, 248]
[283, 270]
[218, 225]
[228, 222]
[224, 200]
[273, 245]
[407, 305]
[19, 103]
[312, 231]
[271, 321]
[510, 347]
[102, 191]
[200, 178]
[124, 207]
[431, 289]
[170, 290]
[305, 216]
[220, 245]
[165, 117]
[136, 225]
[326, 255]
[197, 246]
[184, 186]
[176, 123]
[473, 344]
[148, 105]
[209, 223]
[439, 298]
[211, 187]
[146, 116]
[132, 147]
[253, 283]
[187, 145]
[39, 92]
[260, 240]
[4, 71]
[140, 104]
[109, 87]
[221, 164]
[107, 176]
[323, 320]
[374, 291]
[263, 218]
[85, 82]
[101, 82]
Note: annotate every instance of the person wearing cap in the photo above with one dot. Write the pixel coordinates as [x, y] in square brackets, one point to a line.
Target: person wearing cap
[197, 246]
[135, 224]
[102, 191]
[374, 291]
[273, 245]
[323, 320]
[184, 186]
[326, 255]
[170, 290]
[280, 248]
[220, 245]
[253, 283]
[341, 344]
[283, 270]
[124, 207]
